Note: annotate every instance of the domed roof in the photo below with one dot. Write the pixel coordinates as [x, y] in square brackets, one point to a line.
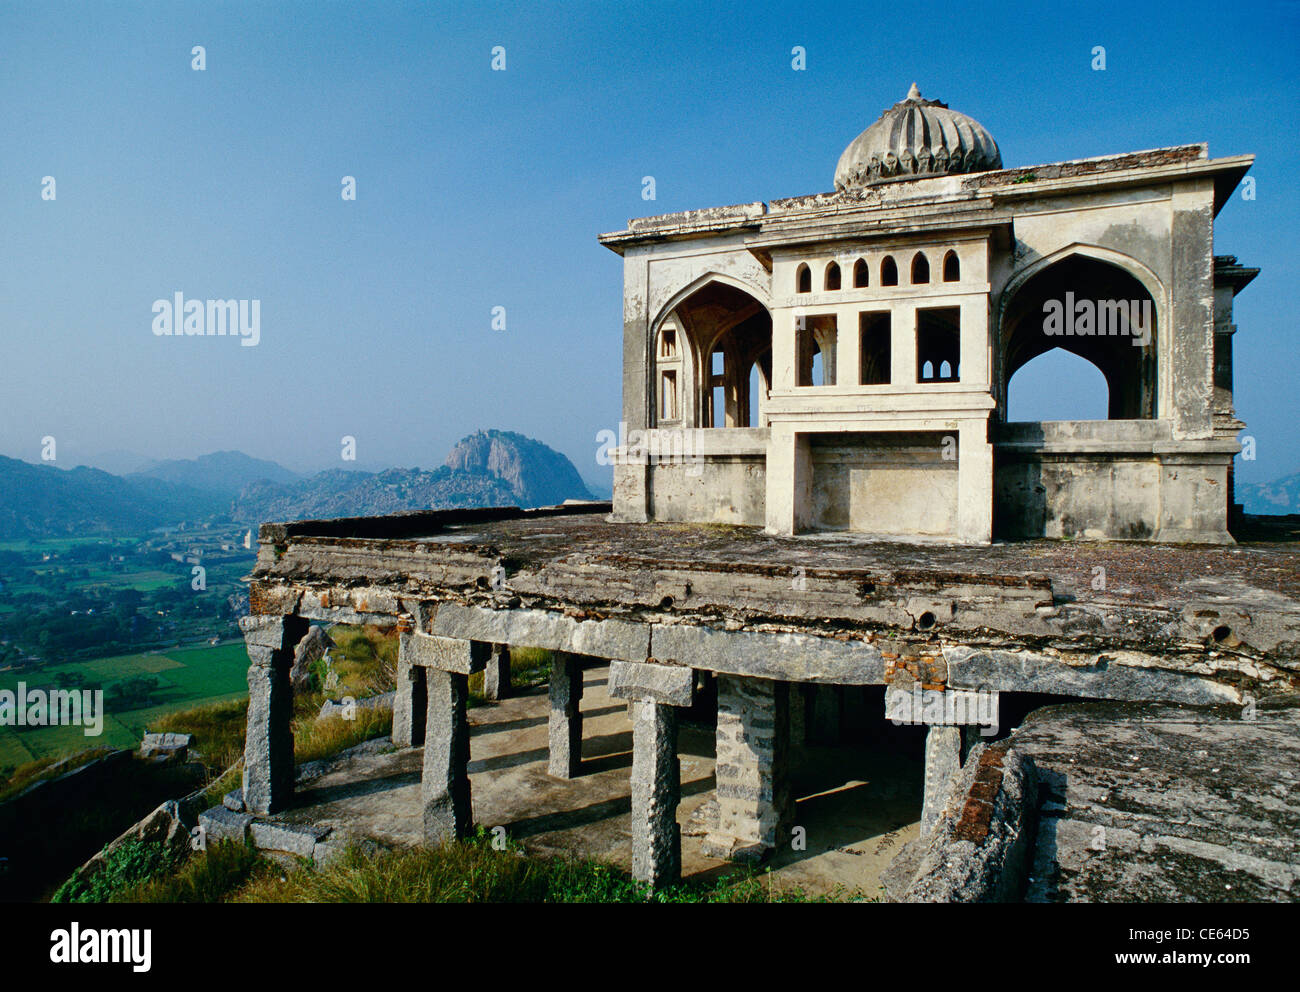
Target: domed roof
[916, 138]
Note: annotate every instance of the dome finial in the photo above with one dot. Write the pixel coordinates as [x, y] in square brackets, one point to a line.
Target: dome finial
[913, 93]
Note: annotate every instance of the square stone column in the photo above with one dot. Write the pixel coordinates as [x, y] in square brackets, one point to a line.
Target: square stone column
[656, 792]
[655, 692]
[496, 676]
[444, 783]
[974, 482]
[755, 808]
[566, 716]
[268, 743]
[943, 754]
[448, 663]
[410, 704]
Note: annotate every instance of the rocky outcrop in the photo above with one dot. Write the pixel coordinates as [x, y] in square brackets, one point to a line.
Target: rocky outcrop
[309, 650]
[536, 474]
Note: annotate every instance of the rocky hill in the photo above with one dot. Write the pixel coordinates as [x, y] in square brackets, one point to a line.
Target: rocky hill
[489, 468]
[536, 474]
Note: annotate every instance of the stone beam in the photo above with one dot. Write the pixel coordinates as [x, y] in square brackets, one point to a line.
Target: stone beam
[1098, 676]
[667, 684]
[614, 639]
[782, 657]
[446, 654]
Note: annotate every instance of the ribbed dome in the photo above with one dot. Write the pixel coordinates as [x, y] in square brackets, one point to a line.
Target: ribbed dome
[916, 138]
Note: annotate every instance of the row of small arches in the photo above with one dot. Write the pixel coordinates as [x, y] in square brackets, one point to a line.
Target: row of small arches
[888, 272]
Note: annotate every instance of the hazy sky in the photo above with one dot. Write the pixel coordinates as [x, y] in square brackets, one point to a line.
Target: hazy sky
[478, 189]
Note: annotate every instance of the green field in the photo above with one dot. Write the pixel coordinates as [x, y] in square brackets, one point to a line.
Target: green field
[189, 677]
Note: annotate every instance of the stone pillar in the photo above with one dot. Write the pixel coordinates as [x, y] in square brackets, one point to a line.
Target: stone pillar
[566, 716]
[752, 769]
[974, 482]
[268, 744]
[943, 754]
[410, 704]
[448, 663]
[654, 692]
[496, 676]
[444, 783]
[656, 791]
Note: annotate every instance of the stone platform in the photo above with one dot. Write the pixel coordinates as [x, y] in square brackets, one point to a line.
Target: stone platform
[768, 624]
[857, 807]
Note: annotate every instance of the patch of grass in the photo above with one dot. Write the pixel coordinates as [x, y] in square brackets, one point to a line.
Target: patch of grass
[133, 862]
[218, 730]
[365, 661]
[204, 878]
[475, 871]
[314, 739]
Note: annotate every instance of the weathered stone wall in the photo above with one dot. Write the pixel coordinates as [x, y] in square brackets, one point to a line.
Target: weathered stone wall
[718, 489]
[871, 483]
[1102, 496]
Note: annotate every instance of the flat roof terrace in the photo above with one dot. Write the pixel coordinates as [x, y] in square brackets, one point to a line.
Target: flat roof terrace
[1181, 623]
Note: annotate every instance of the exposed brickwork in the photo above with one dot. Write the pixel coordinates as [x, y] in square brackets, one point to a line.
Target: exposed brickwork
[977, 814]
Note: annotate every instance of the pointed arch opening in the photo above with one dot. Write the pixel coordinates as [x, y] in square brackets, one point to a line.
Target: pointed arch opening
[888, 271]
[1058, 385]
[951, 267]
[832, 280]
[803, 279]
[861, 274]
[1093, 309]
[724, 334]
[920, 269]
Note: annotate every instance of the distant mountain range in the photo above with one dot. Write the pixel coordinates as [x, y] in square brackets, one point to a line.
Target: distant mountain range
[224, 472]
[489, 468]
[1276, 497]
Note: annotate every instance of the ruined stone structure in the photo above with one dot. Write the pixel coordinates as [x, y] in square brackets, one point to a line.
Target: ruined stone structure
[917, 289]
[841, 361]
[776, 624]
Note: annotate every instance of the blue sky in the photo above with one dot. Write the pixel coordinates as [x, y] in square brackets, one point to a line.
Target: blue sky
[478, 189]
